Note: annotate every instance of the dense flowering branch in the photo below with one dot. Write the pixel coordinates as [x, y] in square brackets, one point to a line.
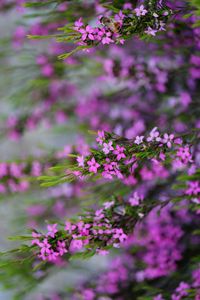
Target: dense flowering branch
[97, 230]
[145, 20]
[123, 159]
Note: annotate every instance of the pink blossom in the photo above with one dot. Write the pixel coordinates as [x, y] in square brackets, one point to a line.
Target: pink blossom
[52, 229]
[93, 165]
[61, 248]
[120, 17]
[184, 154]
[103, 252]
[107, 39]
[69, 227]
[128, 5]
[76, 245]
[78, 24]
[168, 138]
[107, 147]
[140, 11]
[3, 169]
[88, 32]
[135, 199]
[151, 31]
[119, 151]
[119, 234]
[154, 135]
[139, 139]
[193, 189]
[80, 160]
[101, 137]
[108, 204]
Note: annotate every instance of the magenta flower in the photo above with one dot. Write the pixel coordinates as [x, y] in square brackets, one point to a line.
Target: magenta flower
[139, 139]
[168, 139]
[101, 137]
[108, 204]
[184, 154]
[76, 245]
[52, 229]
[61, 247]
[78, 24]
[140, 11]
[45, 247]
[69, 227]
[107, 39]
[3, 169]
[119, 234]
[80, 160]
[119, 151]
[135, 199]
[107, 147]
[193, 189]
[93, 165]
[154, 135]
[103, 252]
[151, 31]
[119, 17]
[88, 32]
[182, 289]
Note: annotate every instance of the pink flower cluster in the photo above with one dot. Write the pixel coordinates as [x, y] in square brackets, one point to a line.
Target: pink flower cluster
[193, 190]
[160, 241]
[12, 177]
[76, 236]
[118, 161]
[98, 34]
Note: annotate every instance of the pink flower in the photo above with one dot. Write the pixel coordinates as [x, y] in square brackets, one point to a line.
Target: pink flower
[69, 227]
[99, 215]
[119, 17]
[108, 204]
[154, 135]
[101, 137]
[16, 170]
[93, 165]
[151, 31]
[119, 234]
[78, 24]
[107, 39]
[135, 199]
[52, 229]
[80, 160]
[61, 247]
[168, 139]
[162, 156]
[88, 294]
[76, 245]
[107, 147]
[88, 32]
[184, 154]
[119, 151]
[127, 6]
[103, 252]
[193, 189]
[45, 246]
[139, 139]
[182, 289]
[3, 169]
[140, 11]
[47, 70]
